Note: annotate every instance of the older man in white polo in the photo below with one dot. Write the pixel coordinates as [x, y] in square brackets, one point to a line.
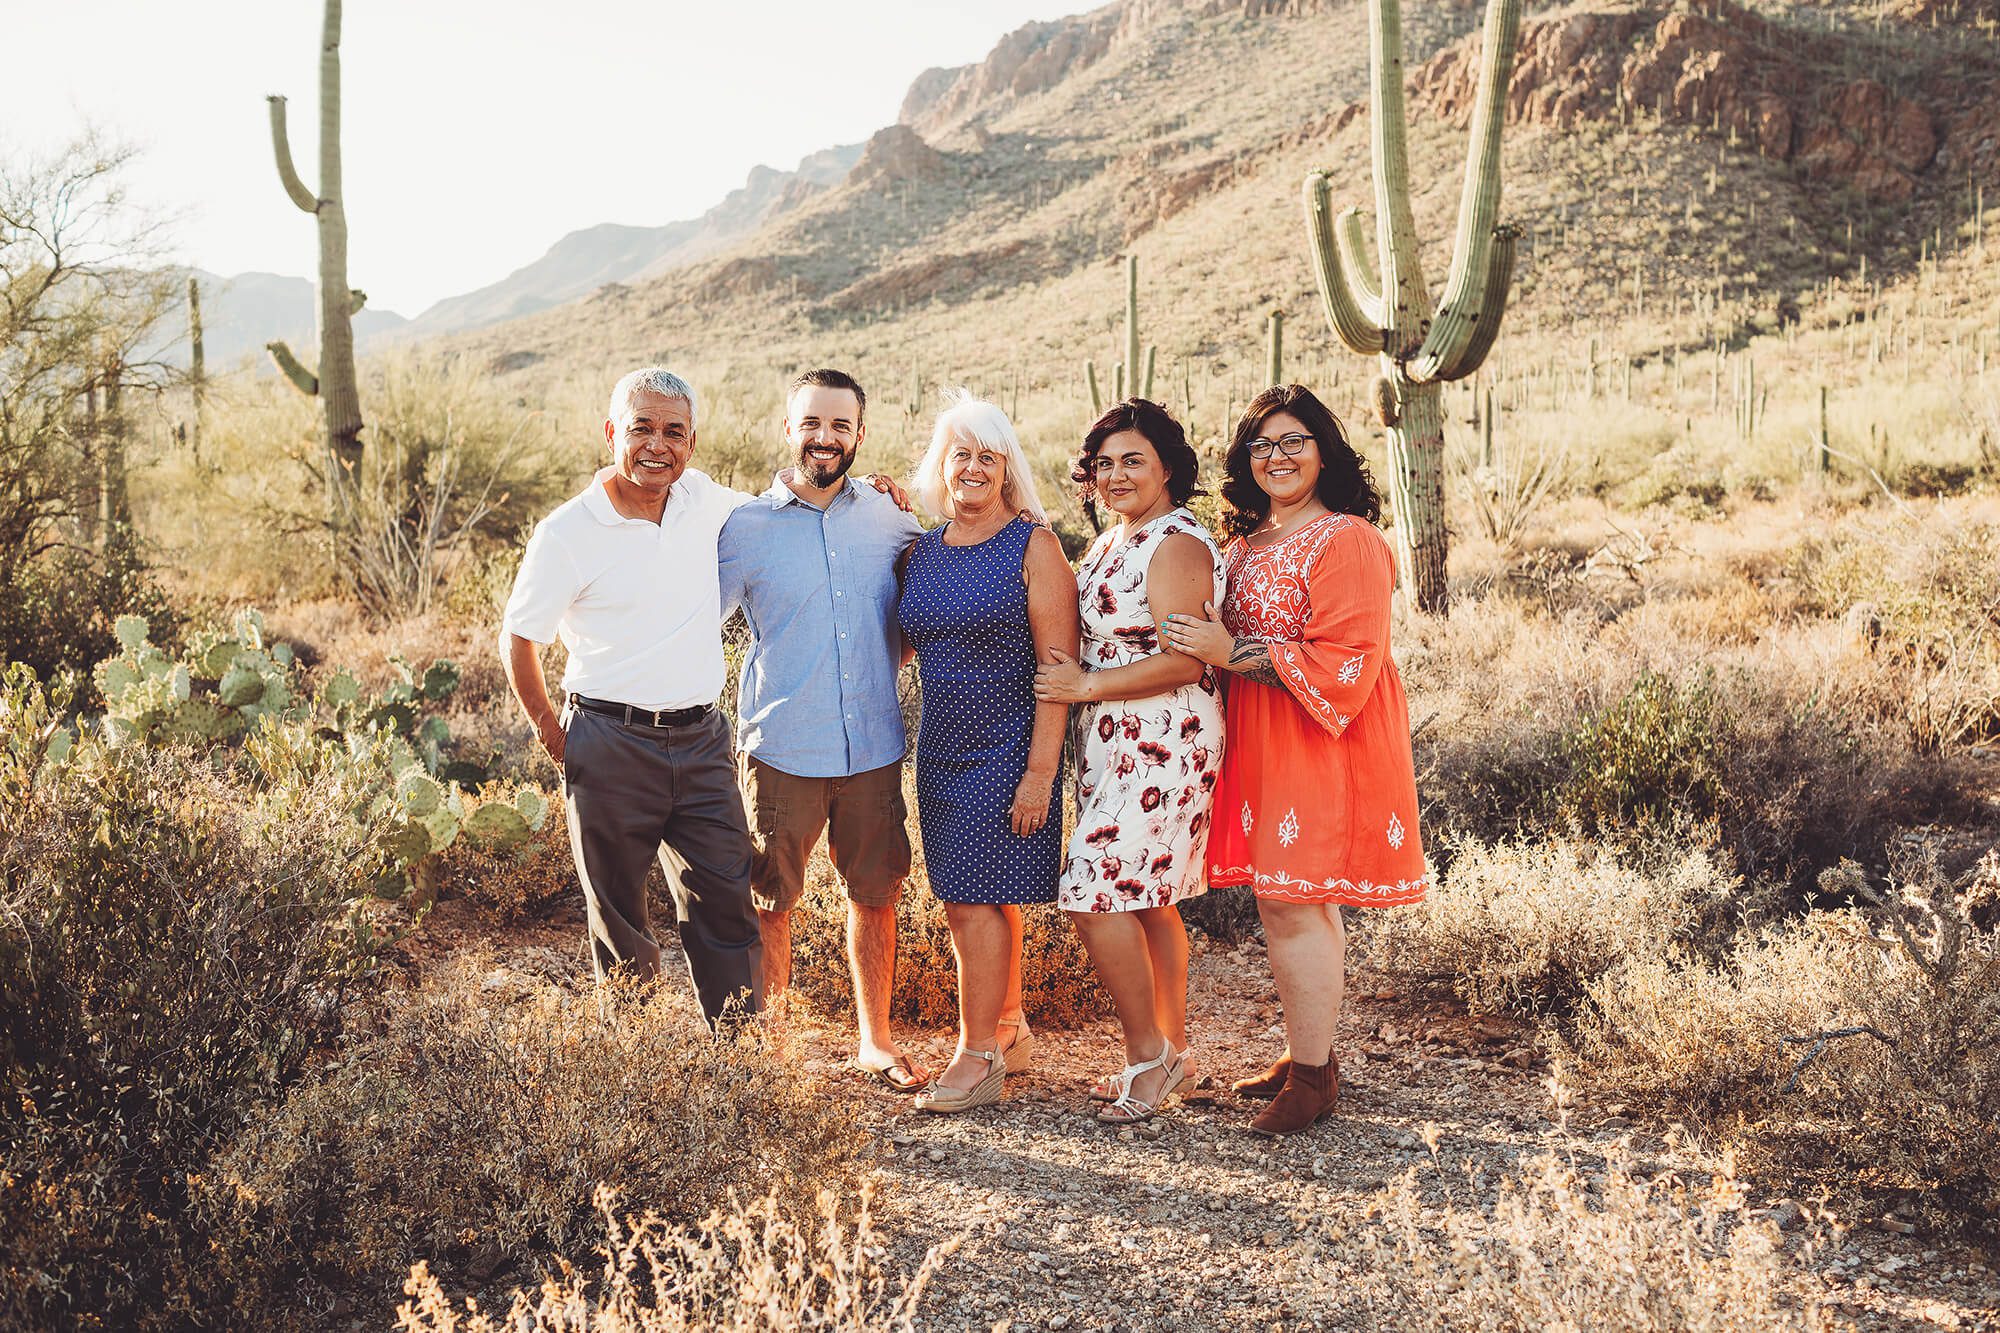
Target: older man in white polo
[625, 575]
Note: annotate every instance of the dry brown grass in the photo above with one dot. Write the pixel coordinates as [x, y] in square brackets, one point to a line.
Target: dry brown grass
[485, 1108]
[1531, 926]
[1860, 1049]
[738, 1270]
[1563, 1248]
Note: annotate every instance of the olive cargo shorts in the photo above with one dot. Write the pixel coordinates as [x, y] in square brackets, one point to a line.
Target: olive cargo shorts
[863, 816]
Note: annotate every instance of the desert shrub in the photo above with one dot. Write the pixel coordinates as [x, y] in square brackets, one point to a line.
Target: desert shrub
[56, 615]
[1924, 599]
[1648, 755]
[487, 1108]
[1862, 1048]
[1557, 1250]
[1227, 914]
[169, 957]
[753, 1270]
[1530, 926]
[511, 883]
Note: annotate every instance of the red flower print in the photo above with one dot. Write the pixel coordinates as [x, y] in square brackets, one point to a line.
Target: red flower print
[1208, 782]
[1109, 868]
[1150, 798]
[1190, 726]
[1130, 888]
[1161, 862]
[1125, 765]
[1199, 822]
[1107, 601]
[1105, 726]
[1130, 722]
[1139, 638]
[1187, 794]
[1155, 753]
[1200, 756]
[1101, 903]
[1106, 653]
[1101, 835]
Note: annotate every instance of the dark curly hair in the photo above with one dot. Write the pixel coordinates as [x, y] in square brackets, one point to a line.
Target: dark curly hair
[1344, 485]
[1169, 441]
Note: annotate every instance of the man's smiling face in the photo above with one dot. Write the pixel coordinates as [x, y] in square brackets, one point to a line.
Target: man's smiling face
[824, 426]
[651, 441]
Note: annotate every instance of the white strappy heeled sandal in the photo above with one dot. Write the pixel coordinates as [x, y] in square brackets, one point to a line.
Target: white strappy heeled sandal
[1124, 1108]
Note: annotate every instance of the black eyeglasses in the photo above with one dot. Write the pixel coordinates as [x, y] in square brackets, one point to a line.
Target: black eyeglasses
[1291, 446]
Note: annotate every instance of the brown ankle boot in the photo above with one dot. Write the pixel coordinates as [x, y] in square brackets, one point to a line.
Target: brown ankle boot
[1309, 1094]
[1267, 1084]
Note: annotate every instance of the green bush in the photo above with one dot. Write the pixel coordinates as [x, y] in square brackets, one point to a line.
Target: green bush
[1651, 755]
[169, 956]
[57, 615]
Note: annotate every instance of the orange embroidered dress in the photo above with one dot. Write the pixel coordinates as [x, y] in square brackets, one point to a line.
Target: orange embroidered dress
[1318, 799]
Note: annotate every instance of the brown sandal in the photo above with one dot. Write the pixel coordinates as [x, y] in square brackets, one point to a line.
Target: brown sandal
[886, 1075]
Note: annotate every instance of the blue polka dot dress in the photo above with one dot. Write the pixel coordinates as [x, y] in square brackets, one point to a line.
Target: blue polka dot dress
[965, 610]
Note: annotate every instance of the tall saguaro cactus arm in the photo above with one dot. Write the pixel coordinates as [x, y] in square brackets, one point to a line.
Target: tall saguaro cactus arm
[1353, 309]
[281, 145]
[1468, 286]
[1482, 326]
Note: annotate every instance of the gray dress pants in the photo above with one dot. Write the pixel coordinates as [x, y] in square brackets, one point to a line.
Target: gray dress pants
[636, 793]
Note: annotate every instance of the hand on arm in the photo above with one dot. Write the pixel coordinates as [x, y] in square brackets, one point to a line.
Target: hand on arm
[1178, 579]
[1052, 620]
[522, 661]
[1204, 637]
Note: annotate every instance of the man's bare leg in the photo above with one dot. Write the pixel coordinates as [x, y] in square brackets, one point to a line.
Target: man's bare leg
[871, 954]
[776, 928]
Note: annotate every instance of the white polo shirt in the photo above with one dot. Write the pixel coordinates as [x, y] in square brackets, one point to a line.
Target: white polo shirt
[636, 603]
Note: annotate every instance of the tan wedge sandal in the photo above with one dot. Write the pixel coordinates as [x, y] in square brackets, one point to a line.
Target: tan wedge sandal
[941, 1100]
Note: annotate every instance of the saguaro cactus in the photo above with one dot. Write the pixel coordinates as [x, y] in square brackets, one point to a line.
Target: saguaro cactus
[1420, 346]
[334, 384]
[197, 367]
[1127, 380]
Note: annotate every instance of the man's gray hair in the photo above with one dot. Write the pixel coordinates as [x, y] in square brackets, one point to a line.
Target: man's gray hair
[653, 379]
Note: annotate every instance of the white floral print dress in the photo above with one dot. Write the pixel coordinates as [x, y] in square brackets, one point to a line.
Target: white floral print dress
[1146, 768]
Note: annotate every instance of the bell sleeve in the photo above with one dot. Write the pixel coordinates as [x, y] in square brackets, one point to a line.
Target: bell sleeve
[1332, 672]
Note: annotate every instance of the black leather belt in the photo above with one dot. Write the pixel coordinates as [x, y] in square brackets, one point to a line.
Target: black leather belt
[647, 717]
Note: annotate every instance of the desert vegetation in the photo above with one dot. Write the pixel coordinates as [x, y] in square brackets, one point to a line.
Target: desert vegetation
[1708, 743]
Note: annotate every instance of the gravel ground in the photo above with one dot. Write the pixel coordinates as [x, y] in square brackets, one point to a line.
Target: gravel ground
[1191, 1223]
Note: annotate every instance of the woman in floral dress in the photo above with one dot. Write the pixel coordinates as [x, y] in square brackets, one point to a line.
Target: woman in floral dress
[1148, 742]
[1317, 808]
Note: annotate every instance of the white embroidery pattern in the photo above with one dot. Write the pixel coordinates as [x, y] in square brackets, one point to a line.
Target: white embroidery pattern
[1288, 829]
[1343, 719]
[1350, 670]
[1279, 884]
[1395, 832]
[1248, 820]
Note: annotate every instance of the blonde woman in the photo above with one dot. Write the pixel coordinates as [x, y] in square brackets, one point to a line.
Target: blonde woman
[986, 598]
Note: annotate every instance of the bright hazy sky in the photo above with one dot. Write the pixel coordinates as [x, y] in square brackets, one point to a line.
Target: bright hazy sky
[474, 134]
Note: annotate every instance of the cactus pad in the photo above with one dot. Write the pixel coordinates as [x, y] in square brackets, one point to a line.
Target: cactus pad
[131, 632]
[241, 686]
[497, 825]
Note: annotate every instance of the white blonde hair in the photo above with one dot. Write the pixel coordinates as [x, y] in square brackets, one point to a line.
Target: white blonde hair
[975, 419]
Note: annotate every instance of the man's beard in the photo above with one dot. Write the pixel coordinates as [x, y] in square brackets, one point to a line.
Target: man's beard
[819, 474]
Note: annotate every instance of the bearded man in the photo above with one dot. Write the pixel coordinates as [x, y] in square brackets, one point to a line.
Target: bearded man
[813, 566]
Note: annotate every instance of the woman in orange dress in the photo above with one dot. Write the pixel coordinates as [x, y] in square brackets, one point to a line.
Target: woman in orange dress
[1317, 806]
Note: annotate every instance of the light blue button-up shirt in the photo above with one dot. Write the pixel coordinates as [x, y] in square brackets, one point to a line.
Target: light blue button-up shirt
[817, 698]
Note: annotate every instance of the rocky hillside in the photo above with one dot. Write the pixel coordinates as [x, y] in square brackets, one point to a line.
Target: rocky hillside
[1688, 155]
[583, 261]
